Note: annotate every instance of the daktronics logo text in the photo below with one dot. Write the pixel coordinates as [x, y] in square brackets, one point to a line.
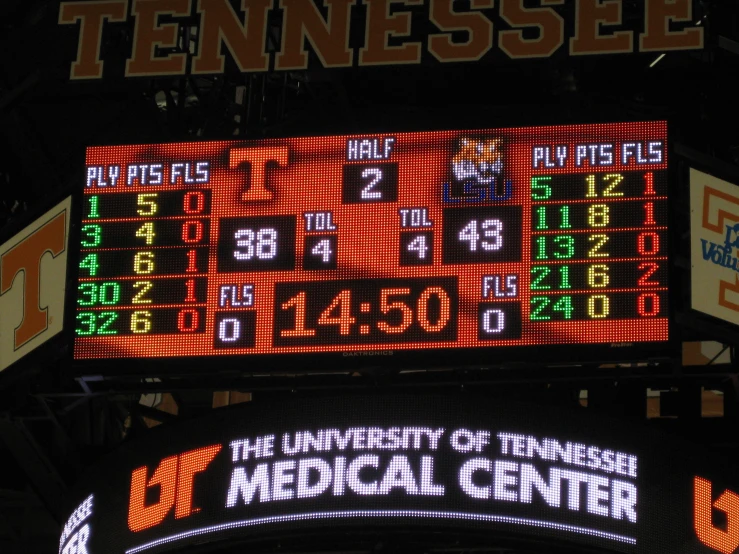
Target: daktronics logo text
[725, 541]
[174, 476]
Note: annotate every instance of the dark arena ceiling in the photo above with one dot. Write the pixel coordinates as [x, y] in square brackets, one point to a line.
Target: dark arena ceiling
[49, 432]
[47, 121]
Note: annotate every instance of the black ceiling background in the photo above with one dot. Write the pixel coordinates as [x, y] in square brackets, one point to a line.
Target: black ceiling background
[46, 121]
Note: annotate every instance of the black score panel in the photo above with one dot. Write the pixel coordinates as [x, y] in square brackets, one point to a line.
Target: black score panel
[593, 245]
[256, 244]
[588, 307]
[366, 311]
[370, 183]
[140, 234]
[603, 184]
[320, 251]
[623, 214]
[141, 292]
[482, 235]
[570, 276]
[143, 321]
[445, 470]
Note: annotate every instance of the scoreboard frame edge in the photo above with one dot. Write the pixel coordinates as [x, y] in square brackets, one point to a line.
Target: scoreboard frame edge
[488, 358]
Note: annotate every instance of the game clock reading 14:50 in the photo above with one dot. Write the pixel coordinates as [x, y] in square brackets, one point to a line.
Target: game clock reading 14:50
[367, 243]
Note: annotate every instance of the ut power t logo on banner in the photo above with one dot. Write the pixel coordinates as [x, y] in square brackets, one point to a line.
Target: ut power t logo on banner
[724, 541]
[714, 228]
[174, 476]
[33, 269]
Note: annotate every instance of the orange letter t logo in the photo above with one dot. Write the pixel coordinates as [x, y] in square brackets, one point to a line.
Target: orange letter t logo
[257, 158]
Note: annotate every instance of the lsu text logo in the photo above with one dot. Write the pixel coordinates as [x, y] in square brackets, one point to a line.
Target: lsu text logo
[724, 541]
[32, 284]
[174, 476]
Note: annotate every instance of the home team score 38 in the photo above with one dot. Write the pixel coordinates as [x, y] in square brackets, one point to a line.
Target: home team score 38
[366, 244]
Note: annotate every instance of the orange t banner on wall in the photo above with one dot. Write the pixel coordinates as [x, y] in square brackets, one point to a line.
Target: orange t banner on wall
[714, 229]
[33, 270]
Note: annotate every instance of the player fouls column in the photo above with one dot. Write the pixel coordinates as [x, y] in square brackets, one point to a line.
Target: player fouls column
[144, 250]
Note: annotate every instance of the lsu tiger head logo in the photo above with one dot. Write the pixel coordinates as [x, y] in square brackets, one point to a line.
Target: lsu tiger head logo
[479, 160]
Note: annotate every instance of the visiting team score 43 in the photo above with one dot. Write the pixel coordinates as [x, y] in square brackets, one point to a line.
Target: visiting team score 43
[380, 244]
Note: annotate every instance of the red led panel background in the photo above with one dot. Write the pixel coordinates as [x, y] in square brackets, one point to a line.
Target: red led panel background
[453, 239]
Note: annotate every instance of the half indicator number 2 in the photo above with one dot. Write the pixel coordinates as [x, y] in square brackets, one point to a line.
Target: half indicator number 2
[370, 183]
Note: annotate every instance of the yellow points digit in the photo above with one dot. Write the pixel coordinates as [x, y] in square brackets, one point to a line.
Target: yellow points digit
[599, 215]
[146, 232]
[143, 263]
[147, 204]
[598, 276]
[612, 181]
[141, 322]
[592, 193]
[599, 306]
[142, 287]
[598, 242]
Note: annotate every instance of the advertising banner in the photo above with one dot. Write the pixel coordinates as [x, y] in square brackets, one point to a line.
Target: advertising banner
[714, 239]
[33, 273]
[494, 470]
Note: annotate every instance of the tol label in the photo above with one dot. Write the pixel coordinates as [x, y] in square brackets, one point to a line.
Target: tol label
[319, 221]
[415, 217]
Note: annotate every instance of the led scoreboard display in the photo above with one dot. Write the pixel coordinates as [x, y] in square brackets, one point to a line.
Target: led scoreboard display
[378, 244]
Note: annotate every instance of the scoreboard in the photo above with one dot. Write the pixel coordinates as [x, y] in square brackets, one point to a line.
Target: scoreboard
[451, 241]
